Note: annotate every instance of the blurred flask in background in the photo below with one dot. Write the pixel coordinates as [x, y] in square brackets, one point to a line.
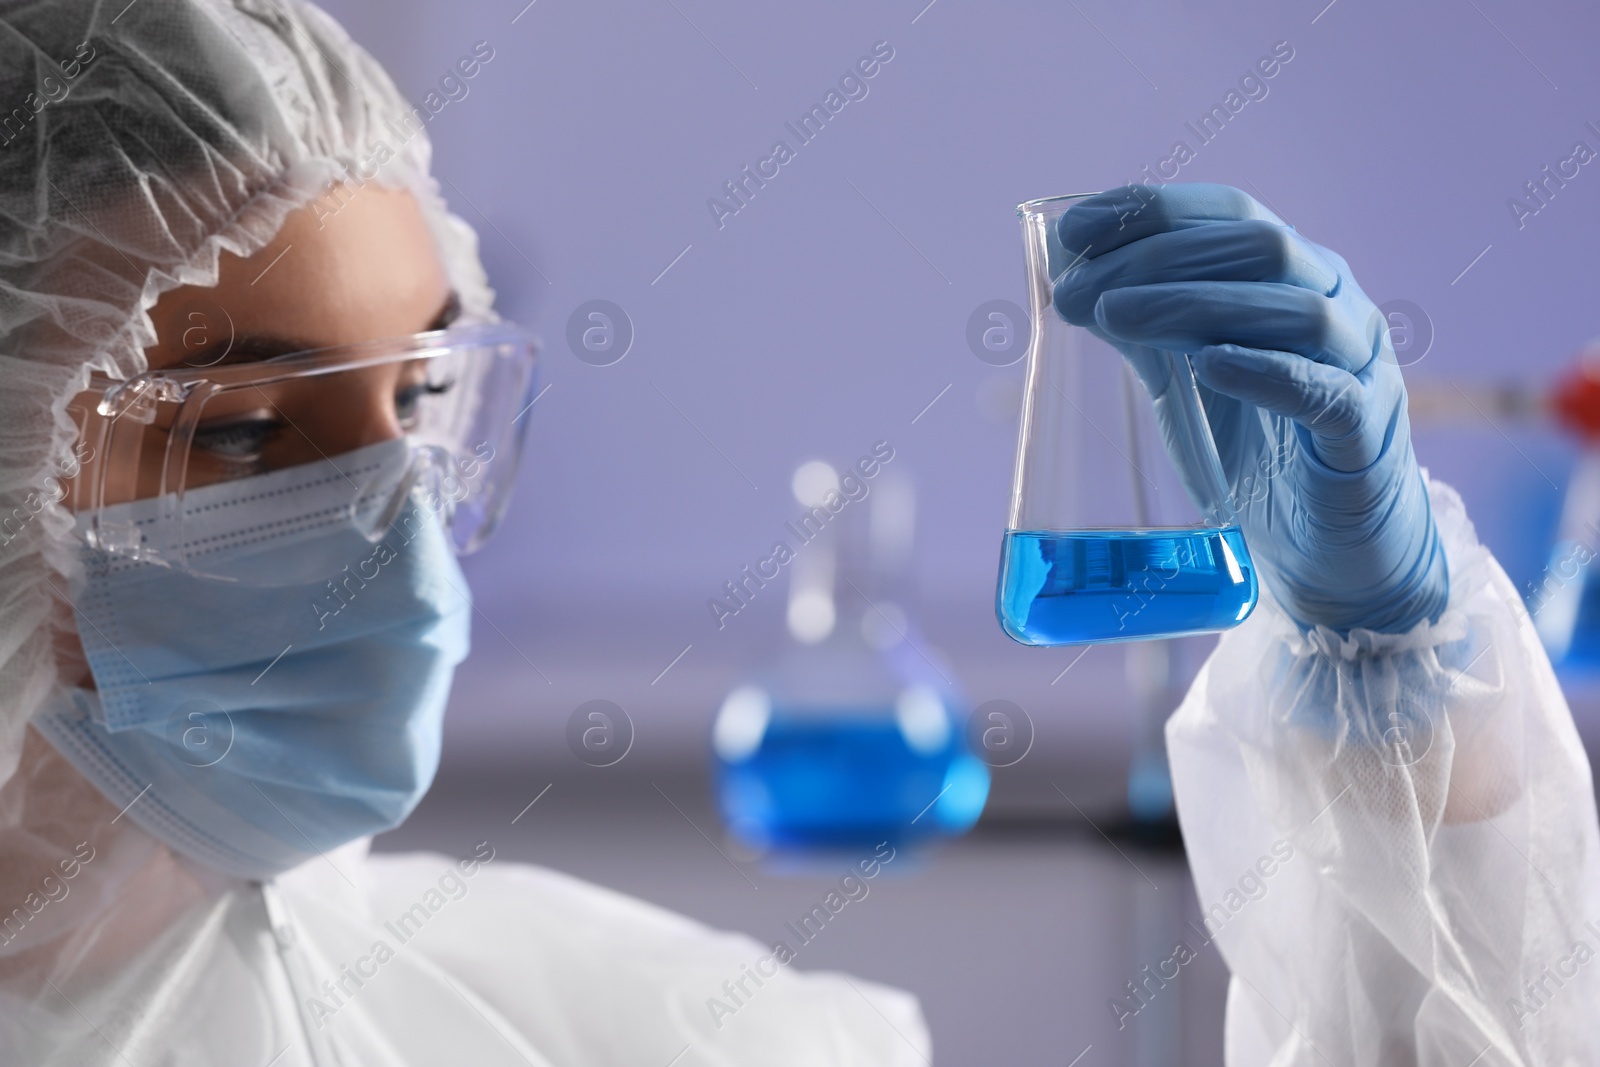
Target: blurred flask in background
[1564, 598]
[851, 734]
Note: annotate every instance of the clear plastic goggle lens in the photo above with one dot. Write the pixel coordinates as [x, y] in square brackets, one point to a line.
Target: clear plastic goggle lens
[187, 467]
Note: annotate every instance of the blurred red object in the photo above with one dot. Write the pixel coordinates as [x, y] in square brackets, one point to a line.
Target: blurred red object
[1576, 398]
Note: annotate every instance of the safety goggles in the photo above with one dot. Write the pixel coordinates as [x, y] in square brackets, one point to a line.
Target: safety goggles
[364, 435]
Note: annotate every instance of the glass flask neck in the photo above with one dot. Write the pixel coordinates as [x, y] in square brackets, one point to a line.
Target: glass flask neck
[1098, 442]
[852, 582]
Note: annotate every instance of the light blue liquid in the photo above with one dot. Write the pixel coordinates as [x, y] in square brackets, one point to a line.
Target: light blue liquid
[1583, 649]
[846, 779]
[1122, 585]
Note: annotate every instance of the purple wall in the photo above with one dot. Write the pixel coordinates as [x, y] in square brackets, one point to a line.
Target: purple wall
[832, 308]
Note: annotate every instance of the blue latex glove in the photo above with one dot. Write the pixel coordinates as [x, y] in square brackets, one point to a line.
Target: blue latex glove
[1300, 386]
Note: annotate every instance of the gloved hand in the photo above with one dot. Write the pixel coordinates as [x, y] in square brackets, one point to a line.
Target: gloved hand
[1300, 387]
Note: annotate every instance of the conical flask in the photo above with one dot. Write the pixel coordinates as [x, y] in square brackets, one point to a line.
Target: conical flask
[852, 734]
[1108, 538]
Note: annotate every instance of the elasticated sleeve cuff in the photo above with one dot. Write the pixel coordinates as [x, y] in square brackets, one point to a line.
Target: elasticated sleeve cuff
[1393, 836]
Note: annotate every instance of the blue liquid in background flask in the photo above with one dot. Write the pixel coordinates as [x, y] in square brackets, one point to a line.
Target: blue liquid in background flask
[1564, 600]
[853, 734]
[1107, 538]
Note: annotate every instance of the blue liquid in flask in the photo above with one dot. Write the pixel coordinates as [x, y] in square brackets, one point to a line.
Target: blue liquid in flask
[1123, 585]
[848, 777]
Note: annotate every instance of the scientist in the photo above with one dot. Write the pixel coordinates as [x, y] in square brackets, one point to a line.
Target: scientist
[244, 437]
[254, 401]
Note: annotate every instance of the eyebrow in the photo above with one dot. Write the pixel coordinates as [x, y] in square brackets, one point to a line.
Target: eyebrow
[254, 348]
[449, 313]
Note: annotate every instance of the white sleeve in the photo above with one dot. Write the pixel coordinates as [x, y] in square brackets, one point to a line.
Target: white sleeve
[1393, 836]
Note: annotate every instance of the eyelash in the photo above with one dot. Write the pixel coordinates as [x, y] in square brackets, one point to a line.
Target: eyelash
[242, 440]
[410, 393]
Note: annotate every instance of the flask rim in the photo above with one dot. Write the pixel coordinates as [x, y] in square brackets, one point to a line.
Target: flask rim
[1045, 204]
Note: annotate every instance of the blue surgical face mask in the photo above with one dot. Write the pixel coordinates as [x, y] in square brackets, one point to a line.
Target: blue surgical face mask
[257, 722]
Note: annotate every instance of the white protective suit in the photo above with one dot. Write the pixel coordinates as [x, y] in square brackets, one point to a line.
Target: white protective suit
[148, 138]
[1393, 837]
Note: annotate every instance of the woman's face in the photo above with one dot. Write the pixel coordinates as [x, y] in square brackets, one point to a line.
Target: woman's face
[366, 271]
[370, 271]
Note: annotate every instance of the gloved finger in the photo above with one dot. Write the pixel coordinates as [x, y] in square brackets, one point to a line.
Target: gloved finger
[1328, 403]
[1185, 316]
[1251, 250]
[1106, 221]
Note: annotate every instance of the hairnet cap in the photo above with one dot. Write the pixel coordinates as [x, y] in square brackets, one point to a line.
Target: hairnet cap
[136, 144]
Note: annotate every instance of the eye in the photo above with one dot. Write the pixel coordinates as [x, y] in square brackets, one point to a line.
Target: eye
[236, 440]
[406, 397]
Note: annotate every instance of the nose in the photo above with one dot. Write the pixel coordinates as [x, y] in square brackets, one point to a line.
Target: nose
[355, 409]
